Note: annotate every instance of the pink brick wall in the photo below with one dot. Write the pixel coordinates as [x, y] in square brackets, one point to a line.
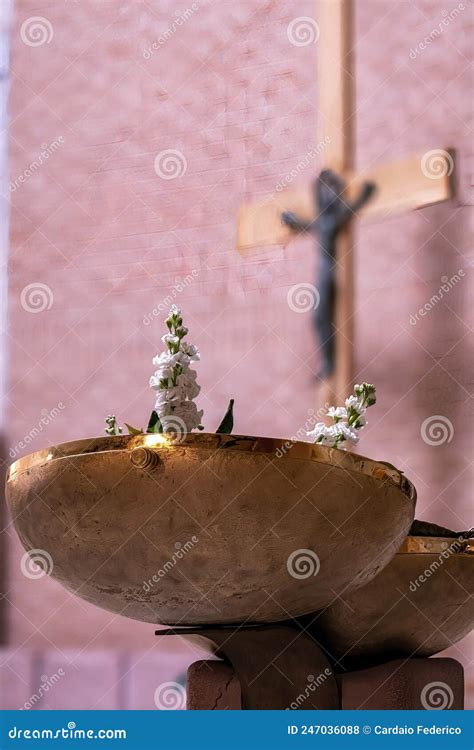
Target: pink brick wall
[111, 239]
[97, 679]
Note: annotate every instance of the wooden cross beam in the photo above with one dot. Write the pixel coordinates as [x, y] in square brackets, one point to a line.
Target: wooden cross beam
[404, 185]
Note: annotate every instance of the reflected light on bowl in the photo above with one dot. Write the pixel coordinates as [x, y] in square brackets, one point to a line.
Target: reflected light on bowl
[150, 440]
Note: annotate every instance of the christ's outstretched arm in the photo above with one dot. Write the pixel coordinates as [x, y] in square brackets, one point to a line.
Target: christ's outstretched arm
[296, 224]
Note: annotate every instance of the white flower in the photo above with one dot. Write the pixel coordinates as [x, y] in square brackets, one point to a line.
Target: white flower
[174, 310]
[347, 420]
[354, 403]
[366, 393]
[188, 412]
[174, 381]
[337, 412]
[318, 431]
[190, 351]
[187, 381]
[156, 381]
[328, 438]
[165, 410]
[165, 359]
[171, 395]
[169, 338]
[349, 434]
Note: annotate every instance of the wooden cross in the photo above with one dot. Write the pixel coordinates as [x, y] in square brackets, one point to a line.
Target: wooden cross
[408, 184]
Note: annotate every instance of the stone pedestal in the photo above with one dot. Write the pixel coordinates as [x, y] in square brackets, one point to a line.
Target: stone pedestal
[212, 685]
[268, 667]
[405, 684]
[400, 684]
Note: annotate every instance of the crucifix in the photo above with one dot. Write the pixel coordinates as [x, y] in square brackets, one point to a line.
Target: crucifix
[328, 208]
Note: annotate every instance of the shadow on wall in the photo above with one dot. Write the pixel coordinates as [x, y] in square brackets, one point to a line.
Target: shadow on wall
[442, 334]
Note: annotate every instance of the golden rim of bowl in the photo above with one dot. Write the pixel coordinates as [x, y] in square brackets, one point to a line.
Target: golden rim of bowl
[278, 447]
[437, 545]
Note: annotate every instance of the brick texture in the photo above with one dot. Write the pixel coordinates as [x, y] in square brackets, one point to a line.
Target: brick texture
[213, 686]
[405, 685]
[108, 679]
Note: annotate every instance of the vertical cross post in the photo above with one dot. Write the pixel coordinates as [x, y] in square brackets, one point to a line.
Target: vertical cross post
[336, 129]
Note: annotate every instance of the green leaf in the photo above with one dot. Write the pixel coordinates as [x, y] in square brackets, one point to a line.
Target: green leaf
[154, 424]
[225, 427]
[133, 430]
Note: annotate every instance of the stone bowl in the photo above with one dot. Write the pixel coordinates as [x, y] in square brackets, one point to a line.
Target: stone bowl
[419, 605]
[214, 529]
